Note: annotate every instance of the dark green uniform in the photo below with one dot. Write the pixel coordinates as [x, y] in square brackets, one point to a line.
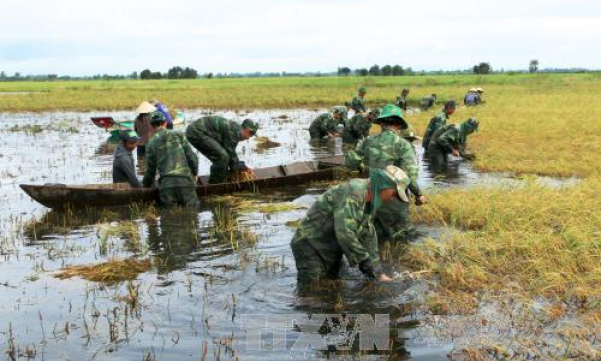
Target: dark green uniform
[340, 109]
[322, 126]
[216, 138]
[358, 104]
[435, 123]
[428, 102]
[356, 129]
[170, 154]
[378, 151]
[337, 224]
[450, 137]
[401, 102]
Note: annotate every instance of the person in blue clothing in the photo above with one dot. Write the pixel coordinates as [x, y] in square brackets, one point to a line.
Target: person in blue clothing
[163, 109]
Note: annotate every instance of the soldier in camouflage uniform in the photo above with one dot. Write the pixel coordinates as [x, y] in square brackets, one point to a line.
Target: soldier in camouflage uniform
[428, 101]
[450, 139]
[381, 150]
[401, 100]
[437, 122]
[342, 110]
[170, 154]
[358, 126]
[217, 138]
[358, 102]
[325, 125]
[410, 135]
[340, 223]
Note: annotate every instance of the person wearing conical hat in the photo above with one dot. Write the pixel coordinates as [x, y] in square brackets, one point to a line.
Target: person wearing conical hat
[450, 139]
[217, 138]
[358, 102]
[479, 91]
[436, 122]
[381, 150]
[124, 170]
[142, 126]
[341, 223]
[471, 98]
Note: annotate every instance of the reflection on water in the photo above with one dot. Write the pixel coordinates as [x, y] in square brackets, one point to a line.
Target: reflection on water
[207, 272]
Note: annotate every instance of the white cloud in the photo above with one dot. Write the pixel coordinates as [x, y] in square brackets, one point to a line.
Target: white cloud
[120, 36]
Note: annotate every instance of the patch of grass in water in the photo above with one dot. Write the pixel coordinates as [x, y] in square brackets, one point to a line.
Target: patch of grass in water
[109, 272]
[268, 208]
[264, 143]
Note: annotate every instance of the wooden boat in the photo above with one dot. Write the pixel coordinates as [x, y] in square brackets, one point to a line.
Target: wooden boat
[108, 195]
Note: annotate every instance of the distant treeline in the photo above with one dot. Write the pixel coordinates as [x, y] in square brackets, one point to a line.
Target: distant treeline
[178, 72]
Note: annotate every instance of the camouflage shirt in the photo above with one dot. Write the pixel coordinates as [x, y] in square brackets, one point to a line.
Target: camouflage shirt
[322, 125]
[170, 153]
[344, 114]
[224, 131]
[435, 123]
[448, 138]
[358, 104]
[401, 102]
[356, 129]
[338, 223]
[384, 149]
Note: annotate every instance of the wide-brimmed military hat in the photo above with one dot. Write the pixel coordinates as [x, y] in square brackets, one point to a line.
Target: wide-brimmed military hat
[145, 108]
[249, 124]
[401, 179]
[362, 89]
[392, 114]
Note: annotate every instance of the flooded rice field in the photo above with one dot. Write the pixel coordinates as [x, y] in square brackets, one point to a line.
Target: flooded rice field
[220, 285]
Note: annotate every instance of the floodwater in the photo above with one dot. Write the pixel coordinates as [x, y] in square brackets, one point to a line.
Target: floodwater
[208, 294]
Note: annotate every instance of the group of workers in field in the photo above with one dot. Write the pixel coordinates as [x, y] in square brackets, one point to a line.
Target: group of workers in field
[350, 219]
[347, 220]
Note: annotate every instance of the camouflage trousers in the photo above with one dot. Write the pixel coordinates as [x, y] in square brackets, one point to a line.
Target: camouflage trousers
[311, 266]
[393, 221]
[213, 150]
[178, 191]
[438, 158]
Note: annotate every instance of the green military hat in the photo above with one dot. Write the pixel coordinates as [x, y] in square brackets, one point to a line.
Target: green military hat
[392, 114]
[157, 118]
[348, 104]
[249, 124]
[450, 104]
[362, 89]
[471, 124]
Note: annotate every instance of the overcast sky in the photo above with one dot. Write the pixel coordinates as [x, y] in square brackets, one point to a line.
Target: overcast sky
[81, 37]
